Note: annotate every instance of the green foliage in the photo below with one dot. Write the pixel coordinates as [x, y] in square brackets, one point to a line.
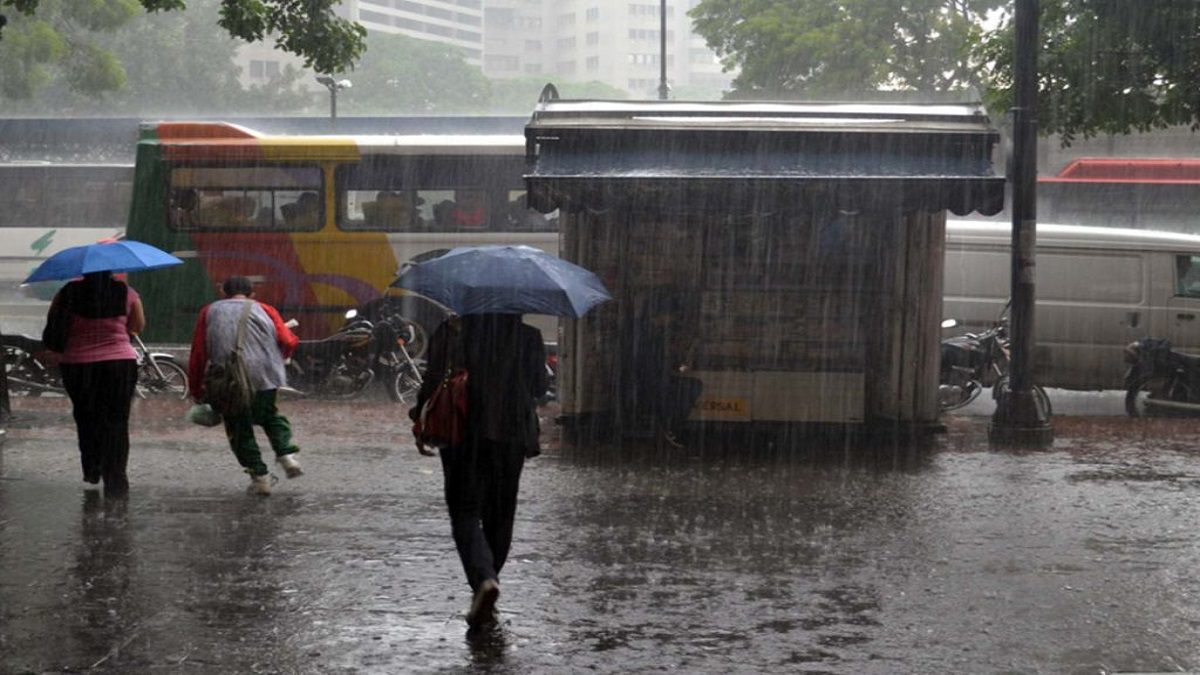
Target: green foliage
[40, 36]
[1106, 66]
[807, 48]
[399, 74]
[156, 64]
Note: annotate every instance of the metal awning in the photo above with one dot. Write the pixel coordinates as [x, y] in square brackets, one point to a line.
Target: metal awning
[604, 154]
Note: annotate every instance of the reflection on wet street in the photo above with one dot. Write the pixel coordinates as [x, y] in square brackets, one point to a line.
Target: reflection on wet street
[1082, 559]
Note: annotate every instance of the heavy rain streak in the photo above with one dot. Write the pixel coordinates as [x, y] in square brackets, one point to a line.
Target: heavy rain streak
[522, 338]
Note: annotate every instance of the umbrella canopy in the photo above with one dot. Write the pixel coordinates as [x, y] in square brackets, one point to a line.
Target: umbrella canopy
[505, 280]
[109, 256]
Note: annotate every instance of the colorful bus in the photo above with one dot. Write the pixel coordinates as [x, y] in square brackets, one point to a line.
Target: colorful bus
[322, 223]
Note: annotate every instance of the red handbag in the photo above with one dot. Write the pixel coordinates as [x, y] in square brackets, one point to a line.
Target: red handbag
[443, 419]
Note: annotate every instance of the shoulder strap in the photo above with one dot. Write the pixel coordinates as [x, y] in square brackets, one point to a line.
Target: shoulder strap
[237, 348]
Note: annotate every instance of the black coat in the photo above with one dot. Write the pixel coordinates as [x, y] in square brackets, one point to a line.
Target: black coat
[506, 365]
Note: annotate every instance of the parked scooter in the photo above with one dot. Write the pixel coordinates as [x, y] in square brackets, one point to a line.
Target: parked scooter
[972, 362]
[344, 364]
[1161, 381]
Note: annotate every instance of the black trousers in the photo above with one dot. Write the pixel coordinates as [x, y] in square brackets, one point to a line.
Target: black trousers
[673, 401]
[482, 479]
[101, 395]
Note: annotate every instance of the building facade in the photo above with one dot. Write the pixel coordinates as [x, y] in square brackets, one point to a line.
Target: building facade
[618, 44]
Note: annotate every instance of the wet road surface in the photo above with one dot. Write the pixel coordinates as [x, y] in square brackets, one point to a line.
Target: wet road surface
[1083, 559]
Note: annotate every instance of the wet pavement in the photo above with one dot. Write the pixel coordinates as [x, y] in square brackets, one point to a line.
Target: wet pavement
[1081, 559]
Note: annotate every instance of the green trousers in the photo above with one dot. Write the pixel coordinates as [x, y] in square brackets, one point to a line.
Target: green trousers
[240, 431]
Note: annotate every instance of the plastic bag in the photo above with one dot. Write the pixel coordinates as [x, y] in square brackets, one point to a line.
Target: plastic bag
[204, 415]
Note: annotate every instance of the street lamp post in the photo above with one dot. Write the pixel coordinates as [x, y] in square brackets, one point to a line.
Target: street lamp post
[664, 89]
[1020, 418]
[333, 86]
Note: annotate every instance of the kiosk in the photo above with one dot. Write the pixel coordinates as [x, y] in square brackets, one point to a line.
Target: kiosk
[794, 252]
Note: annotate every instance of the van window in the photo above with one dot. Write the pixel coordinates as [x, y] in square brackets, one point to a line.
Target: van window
[1089, 277]
[1187, 276]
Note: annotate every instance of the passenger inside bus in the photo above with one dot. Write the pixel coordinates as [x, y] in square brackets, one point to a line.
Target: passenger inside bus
[216, 209]
[470, 212]
[304, 213]
[393, 210]
[183, 207]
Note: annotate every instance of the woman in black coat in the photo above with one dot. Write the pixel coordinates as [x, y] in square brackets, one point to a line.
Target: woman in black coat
[506, 365]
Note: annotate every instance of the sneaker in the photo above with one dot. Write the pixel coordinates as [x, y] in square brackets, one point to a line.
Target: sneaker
[290, 465]
[261, 485]
[483, 605]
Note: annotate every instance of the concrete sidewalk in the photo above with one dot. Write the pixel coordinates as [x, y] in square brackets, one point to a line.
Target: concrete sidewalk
[1078, 559]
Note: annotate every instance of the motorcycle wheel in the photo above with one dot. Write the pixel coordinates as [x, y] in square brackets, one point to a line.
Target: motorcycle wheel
[348, 385]
[968, 393]
[403, 386]
[172, 383]
[1038, 392]
[1155, 387]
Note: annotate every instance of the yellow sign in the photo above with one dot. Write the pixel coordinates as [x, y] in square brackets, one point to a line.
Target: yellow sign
[727, 408]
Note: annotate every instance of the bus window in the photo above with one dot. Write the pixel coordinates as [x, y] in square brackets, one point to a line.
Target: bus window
[389, 210]
[282, 198]
[460, 210]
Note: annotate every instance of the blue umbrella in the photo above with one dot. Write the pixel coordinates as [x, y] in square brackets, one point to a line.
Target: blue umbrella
[505, 280]
[114, 256]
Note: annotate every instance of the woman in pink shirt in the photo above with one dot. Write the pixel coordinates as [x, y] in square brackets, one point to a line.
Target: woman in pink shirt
[99, 370]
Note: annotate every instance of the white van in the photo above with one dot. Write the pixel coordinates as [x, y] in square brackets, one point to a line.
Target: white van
[1098, 289]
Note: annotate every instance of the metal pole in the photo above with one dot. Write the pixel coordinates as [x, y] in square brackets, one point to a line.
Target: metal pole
[663, 89]
[333, 104]
[1020, 418]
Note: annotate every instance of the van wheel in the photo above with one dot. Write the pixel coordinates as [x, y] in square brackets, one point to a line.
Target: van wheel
[1140, 398]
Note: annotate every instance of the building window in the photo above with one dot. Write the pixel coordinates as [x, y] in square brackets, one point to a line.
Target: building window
[503, 62]
[593, 38]
[566, 43]
[644, 59]
[641, 10]
[593, 14]
[533, 45]
[374, 17]
[593, 63]
[566, 20]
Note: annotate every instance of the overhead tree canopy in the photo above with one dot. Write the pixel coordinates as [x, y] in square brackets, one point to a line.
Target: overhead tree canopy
[62, 34]
[807, 48]
[1106, 66]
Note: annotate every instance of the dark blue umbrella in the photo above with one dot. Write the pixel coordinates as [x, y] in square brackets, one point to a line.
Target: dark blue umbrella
[505, 280]
[113, 256]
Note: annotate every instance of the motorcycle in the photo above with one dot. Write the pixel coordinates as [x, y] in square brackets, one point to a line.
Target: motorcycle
[29, 371]
[1160, 381]
[971, 362]
[362, 351]
[32, 372]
